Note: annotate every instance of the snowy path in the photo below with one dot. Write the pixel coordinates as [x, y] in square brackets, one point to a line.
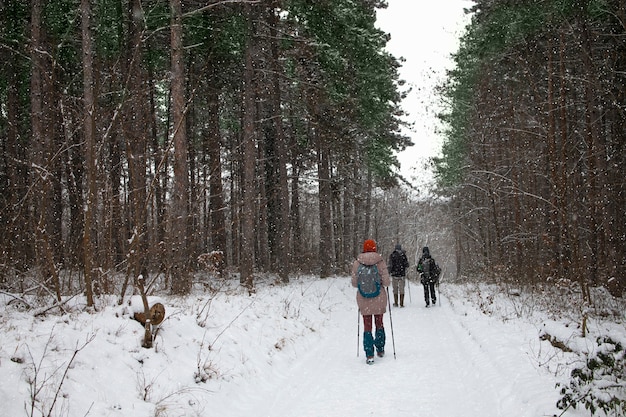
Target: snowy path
[441, 369]
[288, 351]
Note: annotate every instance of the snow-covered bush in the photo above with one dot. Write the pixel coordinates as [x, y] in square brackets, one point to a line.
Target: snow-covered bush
[600, 384]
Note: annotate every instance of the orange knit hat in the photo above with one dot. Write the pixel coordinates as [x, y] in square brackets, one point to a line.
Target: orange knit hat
[369, 246]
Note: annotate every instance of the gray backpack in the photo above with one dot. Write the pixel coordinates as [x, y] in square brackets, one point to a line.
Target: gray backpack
[368, 280]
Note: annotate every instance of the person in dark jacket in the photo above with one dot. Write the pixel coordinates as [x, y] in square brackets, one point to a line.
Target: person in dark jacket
[375, 306]
[426, 267]
[398, 263]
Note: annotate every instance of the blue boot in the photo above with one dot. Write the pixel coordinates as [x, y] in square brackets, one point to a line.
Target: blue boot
[379, 342]
[368, 344]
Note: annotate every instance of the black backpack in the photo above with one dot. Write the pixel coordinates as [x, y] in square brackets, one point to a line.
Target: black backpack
[368, 280]
[430, 269]
[399, 263]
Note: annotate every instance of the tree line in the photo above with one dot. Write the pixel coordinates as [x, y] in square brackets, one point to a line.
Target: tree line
[534, 157]
[137, 135]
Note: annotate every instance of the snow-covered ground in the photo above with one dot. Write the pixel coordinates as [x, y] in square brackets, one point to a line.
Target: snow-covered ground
[291, 350]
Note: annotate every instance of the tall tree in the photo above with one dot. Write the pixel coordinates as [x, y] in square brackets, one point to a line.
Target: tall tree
[17, 252]
[179, 234]
[134, 111]
[213, 147]
[89, 135]
[42, 144]
[248, 156]
[275, 146]
[325, 247]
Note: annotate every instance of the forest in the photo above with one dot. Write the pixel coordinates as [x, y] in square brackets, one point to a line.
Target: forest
[138, 135]
[534, 158]
[147, 138]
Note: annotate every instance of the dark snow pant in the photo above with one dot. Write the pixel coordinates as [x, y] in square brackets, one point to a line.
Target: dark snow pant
[429, 292]
[369, 342]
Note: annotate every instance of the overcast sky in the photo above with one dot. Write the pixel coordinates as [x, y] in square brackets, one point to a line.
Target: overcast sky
[424, 34]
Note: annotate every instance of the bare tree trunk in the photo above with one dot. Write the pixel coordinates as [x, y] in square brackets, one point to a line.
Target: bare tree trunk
[367, 210]
[295, 228]
[134, 123]
[249, 155]
[336, 214]
[358, 234]
[553, 162]
[280, 190]
[159, 184]
[179, 236]
[263, 250]
[89, 135]
[74, 173]
[562, 189]
[348, 217]
[217, 207]
[15, 239]
[41, 144]
[323, 172]
[236, 194]
[591, 139]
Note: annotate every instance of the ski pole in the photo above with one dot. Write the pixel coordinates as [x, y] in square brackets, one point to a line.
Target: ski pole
[358, 330]
[393, 340]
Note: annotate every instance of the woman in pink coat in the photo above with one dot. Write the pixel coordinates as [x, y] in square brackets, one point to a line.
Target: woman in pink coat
[374, 306]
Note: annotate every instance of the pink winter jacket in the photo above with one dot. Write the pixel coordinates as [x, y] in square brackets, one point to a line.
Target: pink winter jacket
[376, 305]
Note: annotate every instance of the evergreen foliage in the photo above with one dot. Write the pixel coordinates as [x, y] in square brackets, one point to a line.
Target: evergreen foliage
[534, 140]
[324, 91]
